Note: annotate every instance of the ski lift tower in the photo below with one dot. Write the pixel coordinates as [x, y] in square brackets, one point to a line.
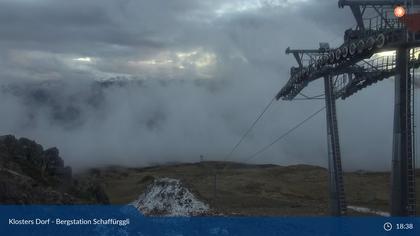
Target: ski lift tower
[382, 26]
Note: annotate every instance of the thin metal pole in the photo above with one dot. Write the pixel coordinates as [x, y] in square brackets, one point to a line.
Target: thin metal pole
[215, 189]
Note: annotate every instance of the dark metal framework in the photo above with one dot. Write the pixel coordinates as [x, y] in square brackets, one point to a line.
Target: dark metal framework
[356, 64]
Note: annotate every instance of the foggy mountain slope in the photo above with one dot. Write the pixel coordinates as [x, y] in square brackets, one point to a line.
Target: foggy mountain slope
[134, 122]
[143, 122]
[125, 111]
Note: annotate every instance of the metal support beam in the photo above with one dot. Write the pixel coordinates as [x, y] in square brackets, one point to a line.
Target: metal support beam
[300, 53]
[403, 176]
[358, 16]
[298, 59]
[338, 205]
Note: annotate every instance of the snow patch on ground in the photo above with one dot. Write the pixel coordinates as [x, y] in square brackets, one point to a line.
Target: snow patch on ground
[168, 197]
[367, 210]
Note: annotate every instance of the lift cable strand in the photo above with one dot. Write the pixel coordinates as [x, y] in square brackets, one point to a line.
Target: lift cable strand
[249, 130]
[283, 135]
[280, 137]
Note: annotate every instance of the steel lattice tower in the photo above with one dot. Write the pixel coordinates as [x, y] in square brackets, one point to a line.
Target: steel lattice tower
[355, 65]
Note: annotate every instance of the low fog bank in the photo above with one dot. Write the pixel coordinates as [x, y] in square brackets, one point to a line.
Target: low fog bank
[146, 122]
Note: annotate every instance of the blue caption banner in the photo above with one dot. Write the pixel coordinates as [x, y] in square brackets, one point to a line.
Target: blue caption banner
[126, 220]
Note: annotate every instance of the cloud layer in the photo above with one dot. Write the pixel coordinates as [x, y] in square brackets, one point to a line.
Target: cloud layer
[200, 72]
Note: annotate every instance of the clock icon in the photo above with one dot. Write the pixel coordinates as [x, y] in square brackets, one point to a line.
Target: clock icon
[387, 226]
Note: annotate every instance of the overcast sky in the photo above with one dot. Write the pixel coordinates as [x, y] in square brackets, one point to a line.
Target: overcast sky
[239, 41]
[47, 39]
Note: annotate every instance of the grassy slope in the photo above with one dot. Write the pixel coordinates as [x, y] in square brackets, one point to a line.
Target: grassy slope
[252, 189]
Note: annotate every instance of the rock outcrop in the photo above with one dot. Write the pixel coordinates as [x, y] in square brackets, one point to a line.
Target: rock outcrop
[31, 175]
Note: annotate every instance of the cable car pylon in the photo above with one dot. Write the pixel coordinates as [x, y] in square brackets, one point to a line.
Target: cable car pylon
[355, 65]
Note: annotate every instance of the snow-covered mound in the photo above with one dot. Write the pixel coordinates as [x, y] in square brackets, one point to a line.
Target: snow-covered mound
[169, 197]
[370, 211]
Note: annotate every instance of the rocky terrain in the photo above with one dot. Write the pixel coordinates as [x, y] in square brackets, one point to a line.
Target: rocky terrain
[31, 175]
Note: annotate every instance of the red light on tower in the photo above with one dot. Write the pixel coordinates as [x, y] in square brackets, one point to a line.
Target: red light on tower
[399, 11]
